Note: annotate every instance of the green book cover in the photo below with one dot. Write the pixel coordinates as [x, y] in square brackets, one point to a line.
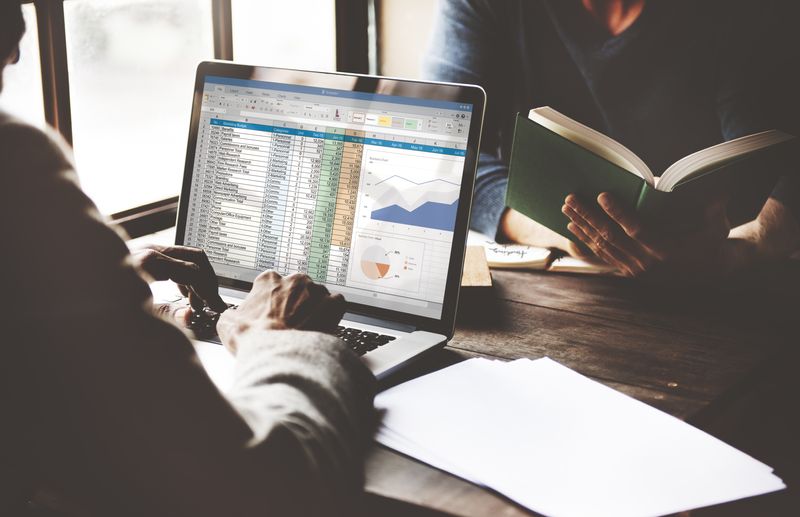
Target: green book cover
[545, 167]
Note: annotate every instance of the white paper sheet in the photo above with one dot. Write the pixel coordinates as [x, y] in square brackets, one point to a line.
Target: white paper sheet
[510, 256]
[562, 444]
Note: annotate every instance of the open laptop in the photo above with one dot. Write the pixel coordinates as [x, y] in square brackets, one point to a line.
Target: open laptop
[363, 183]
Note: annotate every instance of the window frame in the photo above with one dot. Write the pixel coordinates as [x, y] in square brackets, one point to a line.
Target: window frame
[355, 52]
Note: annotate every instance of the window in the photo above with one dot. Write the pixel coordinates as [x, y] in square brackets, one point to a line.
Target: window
[118, 76]
[22, 82]
[131, 72]
[261, 35]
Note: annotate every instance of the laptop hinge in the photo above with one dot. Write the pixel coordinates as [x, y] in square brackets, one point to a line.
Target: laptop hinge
[378, 322]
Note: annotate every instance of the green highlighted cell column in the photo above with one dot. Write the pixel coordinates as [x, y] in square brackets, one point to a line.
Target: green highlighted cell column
[330, 171]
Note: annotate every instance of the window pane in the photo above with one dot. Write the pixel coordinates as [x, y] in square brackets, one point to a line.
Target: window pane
[131, 66]
[22, 82]
[405, 30]
[291, 34]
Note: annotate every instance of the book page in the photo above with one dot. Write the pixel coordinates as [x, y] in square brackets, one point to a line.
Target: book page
[591, 140]
[711, 157]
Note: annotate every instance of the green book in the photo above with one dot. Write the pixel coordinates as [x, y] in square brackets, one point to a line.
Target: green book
[553, 156]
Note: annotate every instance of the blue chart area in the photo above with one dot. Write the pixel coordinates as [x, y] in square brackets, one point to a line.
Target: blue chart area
[413, 190]
[431, 214]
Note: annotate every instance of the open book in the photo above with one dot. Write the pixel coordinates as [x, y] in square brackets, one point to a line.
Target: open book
[554, 155]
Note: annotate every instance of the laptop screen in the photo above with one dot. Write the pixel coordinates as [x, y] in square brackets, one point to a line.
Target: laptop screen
[358, 190]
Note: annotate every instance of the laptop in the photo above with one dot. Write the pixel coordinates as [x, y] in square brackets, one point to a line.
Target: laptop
[363, 183]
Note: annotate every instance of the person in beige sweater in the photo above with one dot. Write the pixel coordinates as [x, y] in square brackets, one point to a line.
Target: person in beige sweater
[104, 407]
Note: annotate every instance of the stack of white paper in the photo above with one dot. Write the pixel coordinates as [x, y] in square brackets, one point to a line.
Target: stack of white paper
[562, 444]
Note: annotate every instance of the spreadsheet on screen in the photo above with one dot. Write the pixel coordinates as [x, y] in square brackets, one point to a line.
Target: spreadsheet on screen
[358, 190]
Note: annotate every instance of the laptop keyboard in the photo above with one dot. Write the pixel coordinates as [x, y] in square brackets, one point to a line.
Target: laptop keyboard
[204, 327]
[361, 341]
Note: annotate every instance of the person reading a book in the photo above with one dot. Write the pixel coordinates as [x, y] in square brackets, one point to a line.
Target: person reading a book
[665, 79]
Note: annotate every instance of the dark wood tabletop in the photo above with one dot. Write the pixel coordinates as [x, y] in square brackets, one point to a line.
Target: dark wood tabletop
[721, 356]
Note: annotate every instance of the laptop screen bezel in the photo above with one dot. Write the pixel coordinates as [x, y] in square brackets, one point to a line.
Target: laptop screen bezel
[467, 94]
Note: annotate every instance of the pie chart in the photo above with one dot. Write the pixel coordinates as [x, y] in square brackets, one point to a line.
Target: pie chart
[374, 263]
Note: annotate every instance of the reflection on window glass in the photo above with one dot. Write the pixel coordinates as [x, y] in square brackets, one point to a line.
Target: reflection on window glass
[22, 82]
[402, 51]
[291, 34]
[131, 70]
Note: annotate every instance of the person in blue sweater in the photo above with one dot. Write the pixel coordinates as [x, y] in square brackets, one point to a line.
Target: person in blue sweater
[664, 78]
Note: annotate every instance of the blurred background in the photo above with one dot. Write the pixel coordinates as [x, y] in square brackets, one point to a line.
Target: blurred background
[119, 75]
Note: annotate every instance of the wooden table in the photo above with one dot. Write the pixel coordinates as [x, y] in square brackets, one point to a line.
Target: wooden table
[722, 357]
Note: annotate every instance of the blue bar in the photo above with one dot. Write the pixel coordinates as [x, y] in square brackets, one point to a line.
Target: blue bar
[343, 94]
[339, 138]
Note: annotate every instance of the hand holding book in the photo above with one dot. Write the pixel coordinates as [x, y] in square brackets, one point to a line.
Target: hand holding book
[668, 222]
[618, 236]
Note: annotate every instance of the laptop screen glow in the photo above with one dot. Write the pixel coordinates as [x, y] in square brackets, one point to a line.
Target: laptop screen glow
[358, 190]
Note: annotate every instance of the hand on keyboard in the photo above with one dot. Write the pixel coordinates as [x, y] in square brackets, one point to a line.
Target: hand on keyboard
[187, 267]
[277, 303]
[204, 326]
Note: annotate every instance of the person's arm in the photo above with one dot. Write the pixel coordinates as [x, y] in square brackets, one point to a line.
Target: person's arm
[516, 227]
[126, 420]
[466, 48]
[774, 235]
